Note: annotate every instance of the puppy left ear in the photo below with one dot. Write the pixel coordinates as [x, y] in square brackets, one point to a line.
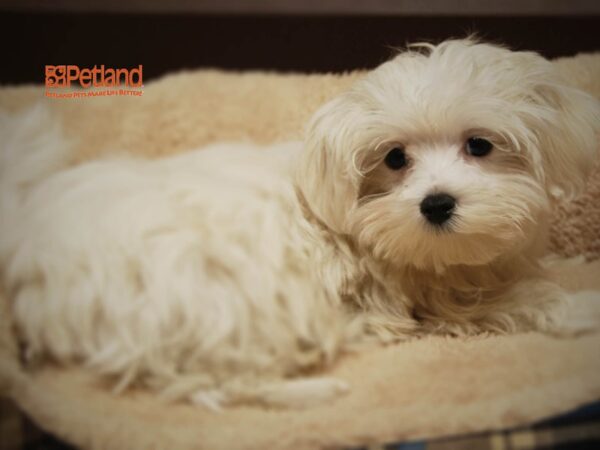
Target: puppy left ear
[569, 141]
[328, 178]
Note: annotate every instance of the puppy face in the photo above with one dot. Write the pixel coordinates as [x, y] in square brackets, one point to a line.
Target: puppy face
[450, 155]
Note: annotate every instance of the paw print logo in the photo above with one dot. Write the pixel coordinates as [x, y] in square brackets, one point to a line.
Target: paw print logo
[56, 76]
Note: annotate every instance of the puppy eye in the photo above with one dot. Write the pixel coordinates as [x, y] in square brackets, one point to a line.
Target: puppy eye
[478, 147]
[395, 159]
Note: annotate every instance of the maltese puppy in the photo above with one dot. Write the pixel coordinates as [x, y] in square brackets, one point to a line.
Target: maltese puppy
[418, 203]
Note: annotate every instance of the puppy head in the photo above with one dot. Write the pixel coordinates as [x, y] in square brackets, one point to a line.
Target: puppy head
[449, 154]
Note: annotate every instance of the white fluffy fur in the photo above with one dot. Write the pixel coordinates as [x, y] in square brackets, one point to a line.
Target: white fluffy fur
[221, 275]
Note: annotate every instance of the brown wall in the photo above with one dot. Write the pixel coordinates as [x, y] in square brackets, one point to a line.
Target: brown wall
[166, 42]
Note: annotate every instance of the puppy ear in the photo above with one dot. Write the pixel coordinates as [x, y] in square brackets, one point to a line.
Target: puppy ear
[327, 176]
[569, 141]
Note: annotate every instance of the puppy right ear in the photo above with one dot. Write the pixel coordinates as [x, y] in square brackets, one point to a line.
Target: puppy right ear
[570, 142]
[328, 177]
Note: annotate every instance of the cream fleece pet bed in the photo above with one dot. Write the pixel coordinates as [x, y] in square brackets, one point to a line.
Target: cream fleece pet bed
[421, 389]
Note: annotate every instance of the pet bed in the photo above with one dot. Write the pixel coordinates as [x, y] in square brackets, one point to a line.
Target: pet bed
[427, 388]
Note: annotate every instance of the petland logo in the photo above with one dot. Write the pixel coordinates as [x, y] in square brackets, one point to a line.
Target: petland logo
[89, 82]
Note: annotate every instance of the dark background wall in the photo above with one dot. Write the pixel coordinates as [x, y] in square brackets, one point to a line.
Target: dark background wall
[287, 41]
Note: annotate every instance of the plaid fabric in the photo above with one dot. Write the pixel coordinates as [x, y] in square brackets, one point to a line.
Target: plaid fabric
[577, 430]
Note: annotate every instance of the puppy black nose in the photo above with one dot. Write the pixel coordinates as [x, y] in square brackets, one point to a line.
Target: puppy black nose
[437, 208]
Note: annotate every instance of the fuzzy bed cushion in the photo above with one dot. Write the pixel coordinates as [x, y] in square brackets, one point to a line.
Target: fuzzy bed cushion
[422, 389]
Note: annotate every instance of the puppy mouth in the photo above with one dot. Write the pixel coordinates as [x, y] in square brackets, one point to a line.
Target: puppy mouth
[446, 227]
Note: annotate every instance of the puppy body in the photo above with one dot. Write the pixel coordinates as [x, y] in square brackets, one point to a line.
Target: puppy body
[180, 272]
[220, 273]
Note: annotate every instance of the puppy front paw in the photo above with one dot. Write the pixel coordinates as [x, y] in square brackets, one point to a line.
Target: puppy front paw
[581, 315]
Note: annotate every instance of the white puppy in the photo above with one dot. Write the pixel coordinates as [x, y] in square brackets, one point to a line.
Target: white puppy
[418, 203]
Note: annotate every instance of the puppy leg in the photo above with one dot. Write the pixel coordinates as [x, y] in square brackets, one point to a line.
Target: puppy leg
[302, 392]
[582, 314]
[529, 305]
[534, 305]
[295, 393]
[539, 305]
